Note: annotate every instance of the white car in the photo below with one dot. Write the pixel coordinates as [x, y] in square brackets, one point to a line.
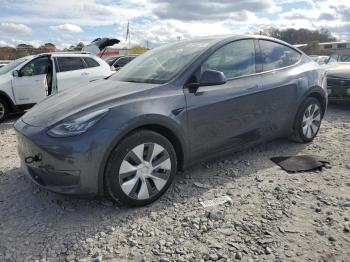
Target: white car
[28, 80]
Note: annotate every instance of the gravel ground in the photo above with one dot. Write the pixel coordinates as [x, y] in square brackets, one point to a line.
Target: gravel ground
[273, 216]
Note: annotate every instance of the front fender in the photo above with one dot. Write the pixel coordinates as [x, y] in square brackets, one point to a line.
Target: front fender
[163, 107]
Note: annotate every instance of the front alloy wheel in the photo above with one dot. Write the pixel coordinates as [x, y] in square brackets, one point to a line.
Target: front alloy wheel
[141, 168]
[3, 110]
[144, 171]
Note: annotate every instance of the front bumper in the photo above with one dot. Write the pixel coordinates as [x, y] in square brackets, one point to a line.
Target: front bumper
[64, 165]
[338, 89]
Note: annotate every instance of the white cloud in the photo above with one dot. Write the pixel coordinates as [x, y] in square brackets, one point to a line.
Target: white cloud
[161, 21]
[13, 42]
[12, 28]
[67, 28]
[207, 10]
[77, 12]
[4, 44]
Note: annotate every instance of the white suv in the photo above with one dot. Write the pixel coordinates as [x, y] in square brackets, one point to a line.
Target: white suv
[28, 80]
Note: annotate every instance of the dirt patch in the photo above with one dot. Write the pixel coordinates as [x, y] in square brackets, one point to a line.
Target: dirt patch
[273, 215]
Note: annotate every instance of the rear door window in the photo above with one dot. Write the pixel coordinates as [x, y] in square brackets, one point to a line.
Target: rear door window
[70, 63]
[90, 62]
[275, 55]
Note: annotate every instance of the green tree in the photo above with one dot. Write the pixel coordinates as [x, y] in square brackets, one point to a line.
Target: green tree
[137, 50]
[312, 48]
[77, 47]
[299, 36]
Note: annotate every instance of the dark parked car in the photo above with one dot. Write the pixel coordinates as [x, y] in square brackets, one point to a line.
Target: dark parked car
[127, 136]
[338, 78]
[117, 62]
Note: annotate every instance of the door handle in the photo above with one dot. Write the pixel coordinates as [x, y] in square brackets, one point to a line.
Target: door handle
[85, 74]
[254, 87]
[38, 80]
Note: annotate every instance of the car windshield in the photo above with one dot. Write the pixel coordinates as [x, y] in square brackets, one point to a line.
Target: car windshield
[7, 68]
[160, 65]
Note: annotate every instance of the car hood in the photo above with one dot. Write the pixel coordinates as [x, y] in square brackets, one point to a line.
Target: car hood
[341, 70]
[104, 94]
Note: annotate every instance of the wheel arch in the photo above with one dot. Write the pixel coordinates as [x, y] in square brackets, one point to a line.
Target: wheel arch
[159, 124]
[171, 136]
[318, 93]
[9, 101]
[315, 92]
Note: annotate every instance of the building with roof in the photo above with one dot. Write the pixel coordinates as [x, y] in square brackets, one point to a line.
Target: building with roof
[341, 48]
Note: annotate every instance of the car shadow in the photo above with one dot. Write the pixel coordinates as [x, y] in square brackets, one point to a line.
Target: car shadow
[339, 106]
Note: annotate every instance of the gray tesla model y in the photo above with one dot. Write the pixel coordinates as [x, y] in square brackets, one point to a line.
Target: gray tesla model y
[127, 136]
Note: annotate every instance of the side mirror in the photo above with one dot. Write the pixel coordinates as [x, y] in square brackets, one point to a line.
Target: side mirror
[15, 73]
[212, 78]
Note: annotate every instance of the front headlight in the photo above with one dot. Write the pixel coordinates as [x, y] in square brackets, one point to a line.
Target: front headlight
[77, 126]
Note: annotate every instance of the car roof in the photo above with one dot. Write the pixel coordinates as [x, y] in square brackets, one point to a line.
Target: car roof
[216, 39]
[62, 54]
[125, 55]
[70, 54]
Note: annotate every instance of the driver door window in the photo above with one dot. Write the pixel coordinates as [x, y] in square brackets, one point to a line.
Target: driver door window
[31, 84]
[35, 67]
[234, 60]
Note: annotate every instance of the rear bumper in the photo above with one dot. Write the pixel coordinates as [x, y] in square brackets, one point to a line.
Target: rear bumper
[62, 165]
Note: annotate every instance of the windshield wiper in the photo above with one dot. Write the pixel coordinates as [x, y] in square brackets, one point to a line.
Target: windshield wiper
[134, 81]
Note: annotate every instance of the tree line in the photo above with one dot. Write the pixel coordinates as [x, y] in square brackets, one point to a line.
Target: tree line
[290, 35]
[312, 38]
[21, 50]
[299, 36]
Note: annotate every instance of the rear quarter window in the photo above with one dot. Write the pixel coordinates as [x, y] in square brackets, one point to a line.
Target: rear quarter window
[70, 63]
[276, 56]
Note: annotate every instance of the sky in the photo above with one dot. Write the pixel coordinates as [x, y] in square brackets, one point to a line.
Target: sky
[155, 22]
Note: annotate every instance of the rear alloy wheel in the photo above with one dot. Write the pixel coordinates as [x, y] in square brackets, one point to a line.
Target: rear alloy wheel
[311, 121]
[308, 121]
[141, 168]
[3, 110]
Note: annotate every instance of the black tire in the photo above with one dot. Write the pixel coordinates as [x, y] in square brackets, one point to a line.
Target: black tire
[114, 178]
[298, 134]
[4, 110]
